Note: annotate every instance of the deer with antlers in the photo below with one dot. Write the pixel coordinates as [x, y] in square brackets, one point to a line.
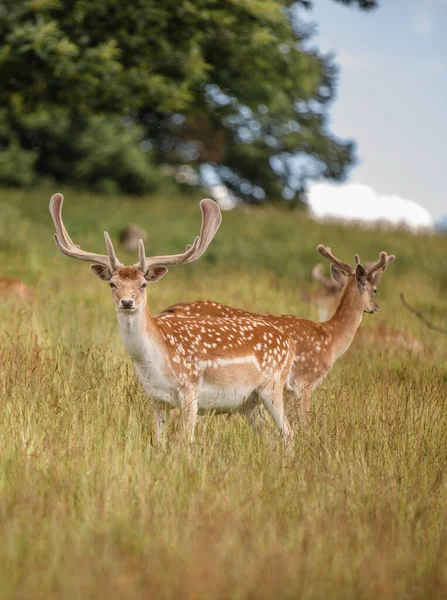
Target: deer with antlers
[316, 345]
[193, 364]
[326, 299]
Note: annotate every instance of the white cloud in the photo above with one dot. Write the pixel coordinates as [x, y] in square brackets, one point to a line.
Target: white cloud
[360, 203]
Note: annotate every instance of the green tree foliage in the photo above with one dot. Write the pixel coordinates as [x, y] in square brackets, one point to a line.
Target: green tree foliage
[234, 84]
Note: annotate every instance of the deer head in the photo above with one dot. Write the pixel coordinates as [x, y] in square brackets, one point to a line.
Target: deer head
[365, 277]
[128, 283]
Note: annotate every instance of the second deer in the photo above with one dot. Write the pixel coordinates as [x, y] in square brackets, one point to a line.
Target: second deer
[326, 297]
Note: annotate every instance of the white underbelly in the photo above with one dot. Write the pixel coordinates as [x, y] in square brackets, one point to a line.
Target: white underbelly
[223, 399]
[210, 397]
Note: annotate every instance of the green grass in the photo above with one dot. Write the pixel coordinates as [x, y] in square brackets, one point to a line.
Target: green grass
[89, 508]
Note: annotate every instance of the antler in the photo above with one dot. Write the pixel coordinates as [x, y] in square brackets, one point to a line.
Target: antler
[371, 268]
[376, 270]
[211, 220]
[381, 264]
[327, 253]
[68, 247]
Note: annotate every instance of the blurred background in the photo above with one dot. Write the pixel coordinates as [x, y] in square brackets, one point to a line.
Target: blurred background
[335, 104]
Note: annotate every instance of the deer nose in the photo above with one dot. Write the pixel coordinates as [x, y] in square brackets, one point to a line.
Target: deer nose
[126, 303]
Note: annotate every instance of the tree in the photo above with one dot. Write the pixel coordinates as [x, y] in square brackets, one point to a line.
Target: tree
[234, 84]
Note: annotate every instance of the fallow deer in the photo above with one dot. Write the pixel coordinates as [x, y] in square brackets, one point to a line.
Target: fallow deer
[130, 237]
[326, 299]
[316, 345]
[193, 364]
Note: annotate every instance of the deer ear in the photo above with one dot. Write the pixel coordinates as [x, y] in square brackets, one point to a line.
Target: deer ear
[102, 272]
[337, 275]
[154, 274]
[360, 277]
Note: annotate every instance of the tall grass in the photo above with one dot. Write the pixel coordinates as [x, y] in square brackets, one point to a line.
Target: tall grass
[90, 508]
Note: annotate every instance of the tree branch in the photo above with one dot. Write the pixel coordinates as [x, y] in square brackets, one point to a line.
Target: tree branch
[421, 316]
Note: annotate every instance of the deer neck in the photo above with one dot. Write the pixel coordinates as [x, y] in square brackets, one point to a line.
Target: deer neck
[346, 319]
[140, 334]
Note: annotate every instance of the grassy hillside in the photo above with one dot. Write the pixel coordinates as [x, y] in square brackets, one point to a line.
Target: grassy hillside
[89, 508]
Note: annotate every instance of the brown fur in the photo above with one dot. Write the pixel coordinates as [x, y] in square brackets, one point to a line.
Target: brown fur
[224, 353]
[326, 298]
[129, 273]
[316, 345]
[14, 288]
[188, 342]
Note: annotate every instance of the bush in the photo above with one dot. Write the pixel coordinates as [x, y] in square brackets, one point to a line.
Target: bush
[17, 165]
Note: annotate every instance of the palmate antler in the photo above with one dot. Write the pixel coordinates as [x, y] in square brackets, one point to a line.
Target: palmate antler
[370, 268]
[68, 247]
[211, 220]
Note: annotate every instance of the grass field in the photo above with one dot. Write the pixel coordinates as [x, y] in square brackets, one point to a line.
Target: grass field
[89, 508]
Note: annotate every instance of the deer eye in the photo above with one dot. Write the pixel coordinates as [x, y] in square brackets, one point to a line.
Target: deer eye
[143, 286]
[374, 290]
[112, 285]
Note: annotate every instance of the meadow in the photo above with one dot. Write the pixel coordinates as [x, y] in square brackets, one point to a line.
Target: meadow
[90, 508]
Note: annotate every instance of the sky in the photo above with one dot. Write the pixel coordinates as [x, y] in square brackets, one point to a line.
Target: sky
[392, 94]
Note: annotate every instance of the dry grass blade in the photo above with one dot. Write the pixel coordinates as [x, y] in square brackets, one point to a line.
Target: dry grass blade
[421, 317]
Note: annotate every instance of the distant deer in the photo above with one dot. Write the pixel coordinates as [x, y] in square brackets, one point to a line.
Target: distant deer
[316, 345]
[190, 363]
[15, 288]
[326, 300]
[130, 237]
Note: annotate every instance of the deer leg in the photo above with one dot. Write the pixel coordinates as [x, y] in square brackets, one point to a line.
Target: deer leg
[188, 408]
[292, 404]
[304, 405]
[253, 411]
[273, 401]
[161, 416]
